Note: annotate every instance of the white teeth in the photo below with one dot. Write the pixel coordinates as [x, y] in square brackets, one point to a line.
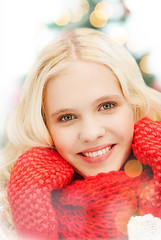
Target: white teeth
[90, 154]
[98, 153]
[95, 154]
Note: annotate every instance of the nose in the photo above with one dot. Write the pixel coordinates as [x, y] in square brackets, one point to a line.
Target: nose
[91, 131]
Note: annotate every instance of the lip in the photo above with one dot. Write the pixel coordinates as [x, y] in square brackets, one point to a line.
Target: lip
[95, 149]
[100, 158]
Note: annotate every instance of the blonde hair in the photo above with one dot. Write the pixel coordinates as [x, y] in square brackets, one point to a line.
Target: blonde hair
[26, 126]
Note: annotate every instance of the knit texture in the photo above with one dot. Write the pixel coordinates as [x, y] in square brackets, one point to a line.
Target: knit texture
[34, 175]
[47, 201]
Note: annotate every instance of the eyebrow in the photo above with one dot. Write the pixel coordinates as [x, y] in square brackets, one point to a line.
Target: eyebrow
[97, 101]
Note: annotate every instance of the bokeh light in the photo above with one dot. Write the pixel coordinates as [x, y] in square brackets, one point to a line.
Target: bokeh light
[77, 15]
[119, 35]
[96, 20]
[133, 168]
[145, 65]
[134, 45]
[118, 9]
[101, 14]
[64, 18]
[122, 218]
[85, 6]
[127, 208]
[78, 11]
[104, 9]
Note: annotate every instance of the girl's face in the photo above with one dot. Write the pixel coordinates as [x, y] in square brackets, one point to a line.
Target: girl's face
[89, 120]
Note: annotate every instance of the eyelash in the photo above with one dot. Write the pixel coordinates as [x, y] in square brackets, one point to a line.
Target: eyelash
[70, 116]
[109, 104]
[60, 119]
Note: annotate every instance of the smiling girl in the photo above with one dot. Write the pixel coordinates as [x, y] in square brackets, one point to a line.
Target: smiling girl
[85, 111]
[86, 106]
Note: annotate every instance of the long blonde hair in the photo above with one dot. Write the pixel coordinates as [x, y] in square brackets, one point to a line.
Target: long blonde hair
[26, 126]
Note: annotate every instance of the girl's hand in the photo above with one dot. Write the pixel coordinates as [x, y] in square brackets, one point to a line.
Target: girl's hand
[147, 142]
[35, 174]
[147, 149]
[98, 207]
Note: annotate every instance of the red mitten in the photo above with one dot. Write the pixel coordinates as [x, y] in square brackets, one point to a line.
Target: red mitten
[147, 149]
[34, 175]
[98, 207]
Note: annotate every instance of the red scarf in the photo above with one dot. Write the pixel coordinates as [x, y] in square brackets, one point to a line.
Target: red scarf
[47, 201]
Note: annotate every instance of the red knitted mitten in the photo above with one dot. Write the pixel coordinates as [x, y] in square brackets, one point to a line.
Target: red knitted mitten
[98, 207]
[34, 175]
[147, 149]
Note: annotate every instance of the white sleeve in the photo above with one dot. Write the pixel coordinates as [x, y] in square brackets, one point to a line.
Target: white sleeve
[144, 227]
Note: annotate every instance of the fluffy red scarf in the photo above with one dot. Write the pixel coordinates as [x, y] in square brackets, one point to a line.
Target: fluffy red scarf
[48, 202]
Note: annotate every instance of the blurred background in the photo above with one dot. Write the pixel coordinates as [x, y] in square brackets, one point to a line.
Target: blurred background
[27, 26]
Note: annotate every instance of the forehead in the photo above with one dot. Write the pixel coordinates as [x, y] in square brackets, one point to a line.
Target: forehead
[82, 80]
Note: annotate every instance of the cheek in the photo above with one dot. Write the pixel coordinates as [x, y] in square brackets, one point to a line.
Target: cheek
[123, 123]
[63, 140]
[127, 126]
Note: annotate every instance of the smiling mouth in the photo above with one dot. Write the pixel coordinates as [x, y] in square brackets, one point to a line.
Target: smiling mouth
[97, 153]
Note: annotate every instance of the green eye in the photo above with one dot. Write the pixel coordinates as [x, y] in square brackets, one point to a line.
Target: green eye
[107, 106]
[67, 118]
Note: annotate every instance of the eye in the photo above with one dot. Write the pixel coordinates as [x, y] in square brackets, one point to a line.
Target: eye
[107, 106]
[66, 118]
